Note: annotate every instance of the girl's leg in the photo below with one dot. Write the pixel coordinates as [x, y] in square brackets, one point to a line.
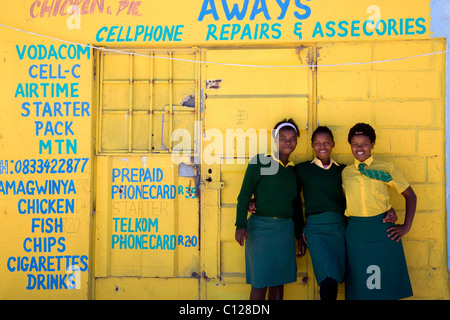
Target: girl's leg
[328, 289]
[258, 294]
[276, 293]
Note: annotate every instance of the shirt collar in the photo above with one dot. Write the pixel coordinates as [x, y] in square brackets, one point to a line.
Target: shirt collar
[290, 163]
[319, 163]
[368, 161]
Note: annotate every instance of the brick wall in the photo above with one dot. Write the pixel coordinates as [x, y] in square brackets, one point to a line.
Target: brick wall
[404, 101]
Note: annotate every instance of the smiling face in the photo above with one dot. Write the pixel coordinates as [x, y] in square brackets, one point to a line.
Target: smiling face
[287, 142]
[361, 147]
[323, 145]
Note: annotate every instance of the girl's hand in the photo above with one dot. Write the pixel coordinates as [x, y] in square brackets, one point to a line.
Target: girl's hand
[391, 216]
[397, 232]
[301, 246]
[252, 206]
[241, 236]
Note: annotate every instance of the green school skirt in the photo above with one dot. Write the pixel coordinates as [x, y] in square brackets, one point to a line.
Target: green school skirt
[270, 257]
[376, 265]
[324, 233]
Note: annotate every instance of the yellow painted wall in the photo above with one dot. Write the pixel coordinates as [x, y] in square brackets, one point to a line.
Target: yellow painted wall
[47, 175]
[110, 119]
[404, 102]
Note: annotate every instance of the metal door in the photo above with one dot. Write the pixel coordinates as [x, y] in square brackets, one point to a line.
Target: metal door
[147, 205]
[242, 103]
[164, 222]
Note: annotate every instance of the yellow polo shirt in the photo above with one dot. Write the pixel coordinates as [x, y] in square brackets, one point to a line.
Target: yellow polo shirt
[368, 197]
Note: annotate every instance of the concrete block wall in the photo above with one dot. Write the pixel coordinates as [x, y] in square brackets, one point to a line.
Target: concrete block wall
[404, 101]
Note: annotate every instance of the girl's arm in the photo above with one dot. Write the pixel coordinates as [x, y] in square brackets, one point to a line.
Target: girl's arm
[241, 236]
[397, 232]
[251, 178]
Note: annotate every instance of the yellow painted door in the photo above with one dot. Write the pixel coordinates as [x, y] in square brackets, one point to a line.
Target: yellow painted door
[147, 198]
[241, 106]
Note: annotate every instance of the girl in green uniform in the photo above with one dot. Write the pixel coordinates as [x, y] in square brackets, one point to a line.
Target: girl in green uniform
[320, 180]
[269, 233]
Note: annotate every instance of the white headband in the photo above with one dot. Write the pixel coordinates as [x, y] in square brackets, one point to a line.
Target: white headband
[285, 124]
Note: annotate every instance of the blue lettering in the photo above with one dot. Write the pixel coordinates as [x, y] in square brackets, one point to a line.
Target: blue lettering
[318, 30]
[59, 51]
[345, 31]
[306, 8]
[224, 32]
[355, 28]
[29, 91]
[420, 26]
[31, 282]
[278, 31]
[24, 244]
[62, 245]
[239, 11]
[151, 237]
[391, 26]
[115, 174]
[83, 261]
[71, 279]
[41, 52]
[73, 90]
[283, 6]
[247, 32]
[150, 192]
[235, 10]
[11, 269]
[127, 37]
[139, 30]
[111, 33]
[73, 71]
[21, 53]
[27, 111]
[51, 52]
[34, 76]
[178, 33]
[54, 129]
[408, 26]
[256, 10]
[264, 29]
[366, 32]
[45, 145]
[332, 31]
[120, 33]
[380, 31]
[212, 28]
[97, 36]
[158, 33]
[205, 11]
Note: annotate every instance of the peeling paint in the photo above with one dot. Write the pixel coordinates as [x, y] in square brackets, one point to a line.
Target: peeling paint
[213, 84]
[299, 50]
[186, 170]
[189, 101]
